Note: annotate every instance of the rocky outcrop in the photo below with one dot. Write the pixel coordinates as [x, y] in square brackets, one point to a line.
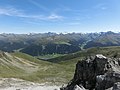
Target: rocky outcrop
[96, 73]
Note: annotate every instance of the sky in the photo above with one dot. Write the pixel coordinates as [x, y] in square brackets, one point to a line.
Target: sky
[60, 16]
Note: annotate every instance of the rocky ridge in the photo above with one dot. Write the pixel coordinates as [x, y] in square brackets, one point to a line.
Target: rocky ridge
[96, 73]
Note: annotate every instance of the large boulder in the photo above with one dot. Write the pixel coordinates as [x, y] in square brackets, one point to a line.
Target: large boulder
[100, 73]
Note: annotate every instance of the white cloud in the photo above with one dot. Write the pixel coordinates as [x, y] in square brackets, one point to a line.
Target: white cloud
[19, 13]
[38, 5]
[10, 12]
[100, 6]
[54, 16]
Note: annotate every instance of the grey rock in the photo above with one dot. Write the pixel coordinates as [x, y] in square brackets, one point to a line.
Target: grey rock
[99, 73]
[100, 56]
[79, 87]
[116, 86]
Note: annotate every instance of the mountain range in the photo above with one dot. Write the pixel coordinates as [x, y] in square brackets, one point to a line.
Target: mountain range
[51, 43]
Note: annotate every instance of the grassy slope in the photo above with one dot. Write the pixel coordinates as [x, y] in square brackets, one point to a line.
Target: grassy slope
[62, 68]
[45, 72]
[59, 70]
[107, 51]
[49, 56]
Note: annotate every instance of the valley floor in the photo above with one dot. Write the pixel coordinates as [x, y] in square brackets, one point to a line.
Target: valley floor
[18, 84]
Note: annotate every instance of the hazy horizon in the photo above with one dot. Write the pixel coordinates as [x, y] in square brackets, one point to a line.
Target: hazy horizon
[60, 32]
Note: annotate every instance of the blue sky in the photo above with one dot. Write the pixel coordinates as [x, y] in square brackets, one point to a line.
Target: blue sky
[39, 16]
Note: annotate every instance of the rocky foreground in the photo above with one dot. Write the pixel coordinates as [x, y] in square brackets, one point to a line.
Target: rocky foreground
[96, 73]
